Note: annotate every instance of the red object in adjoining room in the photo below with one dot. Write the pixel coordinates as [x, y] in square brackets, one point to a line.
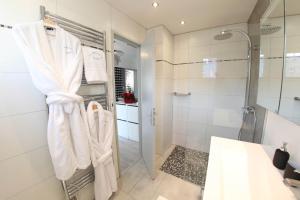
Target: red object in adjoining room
[129, 97]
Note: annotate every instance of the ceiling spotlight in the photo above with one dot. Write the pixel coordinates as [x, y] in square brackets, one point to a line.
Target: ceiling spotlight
[182, 22]
[155, 4]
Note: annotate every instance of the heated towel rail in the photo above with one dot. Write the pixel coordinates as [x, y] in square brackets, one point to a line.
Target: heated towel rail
[95, 39]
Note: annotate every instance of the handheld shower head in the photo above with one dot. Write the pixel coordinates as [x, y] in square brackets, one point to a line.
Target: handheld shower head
[223, 36]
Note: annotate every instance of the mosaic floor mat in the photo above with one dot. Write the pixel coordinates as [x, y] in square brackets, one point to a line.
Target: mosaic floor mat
[187, 164]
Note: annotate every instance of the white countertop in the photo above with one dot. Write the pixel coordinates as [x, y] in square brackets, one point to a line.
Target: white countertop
[243, 171]
[129, 104]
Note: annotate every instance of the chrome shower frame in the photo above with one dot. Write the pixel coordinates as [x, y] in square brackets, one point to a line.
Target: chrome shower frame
[247, 108]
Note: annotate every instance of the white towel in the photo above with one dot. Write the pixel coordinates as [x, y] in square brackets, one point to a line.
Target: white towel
[94, 65]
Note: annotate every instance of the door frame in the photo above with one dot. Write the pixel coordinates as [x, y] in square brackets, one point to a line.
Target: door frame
[115, 35]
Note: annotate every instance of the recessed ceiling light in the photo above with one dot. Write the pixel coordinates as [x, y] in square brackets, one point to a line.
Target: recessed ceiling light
[155, 4]
[182, 22]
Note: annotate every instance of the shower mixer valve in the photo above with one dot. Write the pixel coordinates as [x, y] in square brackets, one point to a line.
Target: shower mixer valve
[248, 109]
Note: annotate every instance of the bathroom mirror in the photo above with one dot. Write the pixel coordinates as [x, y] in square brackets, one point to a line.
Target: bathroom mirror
[279, 70]
[271, 56]
[290, 95]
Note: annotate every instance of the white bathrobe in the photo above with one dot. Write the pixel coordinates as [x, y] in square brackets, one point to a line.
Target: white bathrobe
[55, 63]
[101, 130]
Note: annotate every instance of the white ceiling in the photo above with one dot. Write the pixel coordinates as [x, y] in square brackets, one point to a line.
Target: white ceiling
[197, 14]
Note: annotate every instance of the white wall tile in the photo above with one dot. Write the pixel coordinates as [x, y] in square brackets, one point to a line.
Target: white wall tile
[228, 102]
[195, 71]
[11, 59]
[232, 69]
[289, 108]
[230, 87]
[217, 88]
[200, 38]
[164, 89]
[48, 189]
[180, 139]
[276, 46]
[290, 87]
[22, 133]
[181, 86]
[21, 172]
[19, 95]
[181, 41]
[164, 70]
[225, 132]
[26, 176]
[265, 47]
[233, 50]
[181, 56]
[225, 117]
[196, 136]
[201, 86]
[180, 71]
[198, 53]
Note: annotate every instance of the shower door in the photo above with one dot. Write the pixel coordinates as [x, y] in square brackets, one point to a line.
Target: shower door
[148, 103]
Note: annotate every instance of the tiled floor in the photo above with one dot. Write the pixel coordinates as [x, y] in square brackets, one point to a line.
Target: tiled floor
[129, 153]
[136, 184]
[187, 164]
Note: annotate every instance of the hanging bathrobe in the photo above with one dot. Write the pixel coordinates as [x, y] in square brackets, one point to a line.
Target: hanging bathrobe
[101, 130]
[55, 62]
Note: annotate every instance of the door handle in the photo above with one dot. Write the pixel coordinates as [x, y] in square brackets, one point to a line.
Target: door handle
[153, 113]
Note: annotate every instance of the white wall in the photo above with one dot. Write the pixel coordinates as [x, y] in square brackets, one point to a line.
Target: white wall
[279, 130]
[25, 167]
[217, 87]
[164, 88]
[130, 58]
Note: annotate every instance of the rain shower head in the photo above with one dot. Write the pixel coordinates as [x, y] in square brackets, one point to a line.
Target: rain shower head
[223, 36]
[267, 29]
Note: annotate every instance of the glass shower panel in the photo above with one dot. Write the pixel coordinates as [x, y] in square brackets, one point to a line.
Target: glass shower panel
[290, 97]
[271, 56]
[214, 73]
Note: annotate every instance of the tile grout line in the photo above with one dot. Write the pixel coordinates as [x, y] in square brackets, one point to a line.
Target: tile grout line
[25, 152]
[20, 114]
[31, 186]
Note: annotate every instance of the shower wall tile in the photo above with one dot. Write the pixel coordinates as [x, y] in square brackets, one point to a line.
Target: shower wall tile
[232, 69]
[217, 88]
[275, 66]
[276, 46]
[181, 41]
[199, 38]
[180, 139]
[181, 56]
[233, 50]
[198, 53]
[180, 72]
[229, 87]
[163, 89]
[269, 88]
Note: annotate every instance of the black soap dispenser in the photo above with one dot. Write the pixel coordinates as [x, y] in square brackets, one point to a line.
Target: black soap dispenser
[281, 157]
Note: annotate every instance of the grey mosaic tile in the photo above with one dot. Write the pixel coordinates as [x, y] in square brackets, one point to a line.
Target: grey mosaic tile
[187, 164]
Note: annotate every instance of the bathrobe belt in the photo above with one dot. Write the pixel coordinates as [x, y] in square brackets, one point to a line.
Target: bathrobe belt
[103, 158]
[67, 100]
